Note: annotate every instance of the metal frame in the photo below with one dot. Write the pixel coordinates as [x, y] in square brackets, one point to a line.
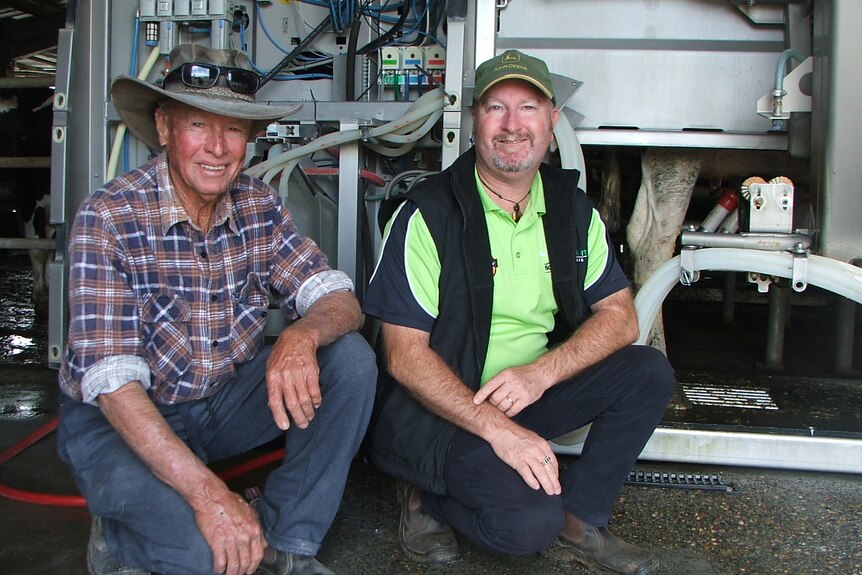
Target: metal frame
[745, 448]
[82, 120]
[837, 123]
[79, 146]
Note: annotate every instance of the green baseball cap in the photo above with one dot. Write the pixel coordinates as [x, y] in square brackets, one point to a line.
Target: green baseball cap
[513, 65]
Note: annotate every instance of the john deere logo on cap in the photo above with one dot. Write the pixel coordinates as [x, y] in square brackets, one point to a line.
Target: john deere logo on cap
[516, 66]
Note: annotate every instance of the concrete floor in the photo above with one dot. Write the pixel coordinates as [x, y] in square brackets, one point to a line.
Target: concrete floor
[770, 522]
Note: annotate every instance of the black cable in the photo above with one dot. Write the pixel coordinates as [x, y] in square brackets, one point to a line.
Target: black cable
[296, 51]
[350, 65]
[389, 35]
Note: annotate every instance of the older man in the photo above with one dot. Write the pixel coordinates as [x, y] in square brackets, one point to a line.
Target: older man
[171, 268]
[506, 322]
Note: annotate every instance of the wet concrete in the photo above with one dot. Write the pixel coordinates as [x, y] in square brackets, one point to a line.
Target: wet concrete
[771, 521]
[23, 335]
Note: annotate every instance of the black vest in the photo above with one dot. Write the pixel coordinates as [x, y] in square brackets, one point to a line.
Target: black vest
[406, 440]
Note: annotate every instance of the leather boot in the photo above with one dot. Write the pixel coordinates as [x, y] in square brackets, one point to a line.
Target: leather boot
[422, 538]
[604, 551]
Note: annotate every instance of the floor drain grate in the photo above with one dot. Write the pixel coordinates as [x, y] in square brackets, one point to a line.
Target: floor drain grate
[711, 482]
[717, 396]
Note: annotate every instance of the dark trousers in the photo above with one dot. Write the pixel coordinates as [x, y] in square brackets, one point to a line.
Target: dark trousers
[148, 525]
[624, 397]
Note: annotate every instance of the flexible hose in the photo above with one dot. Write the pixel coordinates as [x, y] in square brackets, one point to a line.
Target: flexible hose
[57, 500]
[782, 63]
[832, 275]
[425, 106]
[571, 153]
[121, 127]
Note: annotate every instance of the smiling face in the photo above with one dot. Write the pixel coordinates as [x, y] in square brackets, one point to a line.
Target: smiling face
[513, 125]
[205, 152]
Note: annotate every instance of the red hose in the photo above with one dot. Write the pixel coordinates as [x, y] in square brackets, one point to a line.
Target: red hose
[365, 174]
[32, 496]
[78, 500]
[42, 498]
[17, 448]
[251, 464]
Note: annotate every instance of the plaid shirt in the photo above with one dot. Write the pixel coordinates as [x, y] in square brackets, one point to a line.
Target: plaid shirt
[155, 300]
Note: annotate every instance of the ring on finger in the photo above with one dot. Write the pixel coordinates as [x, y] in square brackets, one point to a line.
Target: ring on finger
[546, 460]
[511, 401]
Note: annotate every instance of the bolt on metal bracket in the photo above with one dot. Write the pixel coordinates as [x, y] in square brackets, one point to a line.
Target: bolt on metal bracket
[687, 272]
[799, 275]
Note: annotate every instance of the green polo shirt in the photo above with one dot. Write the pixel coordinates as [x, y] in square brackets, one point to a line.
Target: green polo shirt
[404, 287]
[524, 305]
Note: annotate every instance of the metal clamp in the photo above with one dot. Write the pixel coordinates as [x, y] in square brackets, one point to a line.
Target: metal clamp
[687, 272]
[799, 275]
[763, 281]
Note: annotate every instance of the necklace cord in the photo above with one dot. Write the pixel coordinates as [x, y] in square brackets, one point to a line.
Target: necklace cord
[516, 205]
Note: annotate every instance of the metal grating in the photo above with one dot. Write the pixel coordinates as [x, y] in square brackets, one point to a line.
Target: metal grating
[717, 396]
[709, 482]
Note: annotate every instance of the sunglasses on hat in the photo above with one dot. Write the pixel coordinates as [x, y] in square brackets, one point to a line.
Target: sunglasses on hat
[205, 76]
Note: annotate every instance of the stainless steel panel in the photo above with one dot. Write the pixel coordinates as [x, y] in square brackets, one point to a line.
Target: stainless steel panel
[657, 66]
[837, 123]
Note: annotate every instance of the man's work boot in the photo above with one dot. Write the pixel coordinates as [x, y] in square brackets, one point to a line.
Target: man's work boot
[100, 561]
[292, 564]
[603, 551]
[422, 538]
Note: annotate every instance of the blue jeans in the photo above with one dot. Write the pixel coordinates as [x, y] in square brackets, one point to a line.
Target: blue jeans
[149, 526]
[624, 397]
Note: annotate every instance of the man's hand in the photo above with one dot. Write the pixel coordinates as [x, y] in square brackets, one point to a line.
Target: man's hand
[531, 456]
[513, 389]
[232, 530]
[292, 378]
[228, 524]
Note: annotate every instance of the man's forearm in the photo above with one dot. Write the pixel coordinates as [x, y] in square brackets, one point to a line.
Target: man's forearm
[331, 316]
[612, 326]
[418, 368]
[146, 432]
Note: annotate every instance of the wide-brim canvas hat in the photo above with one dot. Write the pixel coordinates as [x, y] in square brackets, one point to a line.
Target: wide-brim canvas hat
[136, 100]
[513, 65]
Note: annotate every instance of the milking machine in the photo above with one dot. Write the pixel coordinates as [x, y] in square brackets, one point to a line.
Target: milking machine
[383, 88]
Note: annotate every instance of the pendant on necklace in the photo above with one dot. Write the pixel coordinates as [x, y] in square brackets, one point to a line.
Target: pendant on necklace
[516, 212]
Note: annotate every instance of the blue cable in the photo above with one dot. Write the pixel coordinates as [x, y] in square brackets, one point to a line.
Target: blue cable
[133, 66]
[264, 28]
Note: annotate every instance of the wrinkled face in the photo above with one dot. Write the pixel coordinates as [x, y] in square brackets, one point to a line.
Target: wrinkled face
[205, 151]
[513, 125]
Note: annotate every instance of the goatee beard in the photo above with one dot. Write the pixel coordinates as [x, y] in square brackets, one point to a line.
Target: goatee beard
[513, 166]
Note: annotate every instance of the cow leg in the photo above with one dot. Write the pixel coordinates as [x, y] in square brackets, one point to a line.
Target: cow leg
[39, 260]
[609, 201]
[37, 227]
[667, 181]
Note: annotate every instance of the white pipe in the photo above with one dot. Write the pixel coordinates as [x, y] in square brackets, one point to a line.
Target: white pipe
[114, 158]
[429, 105]
[832, 275]
[423, 129]
[571, 153]
[268, 169]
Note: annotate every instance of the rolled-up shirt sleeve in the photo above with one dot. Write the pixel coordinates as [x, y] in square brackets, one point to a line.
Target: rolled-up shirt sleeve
[104, 326]
[112, 373]
[319, 285]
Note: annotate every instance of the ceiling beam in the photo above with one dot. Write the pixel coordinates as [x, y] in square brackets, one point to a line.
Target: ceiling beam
[33, 7]
[27, 36]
